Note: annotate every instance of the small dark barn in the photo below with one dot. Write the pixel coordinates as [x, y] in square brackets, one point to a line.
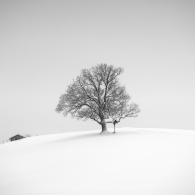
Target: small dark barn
[16, 137]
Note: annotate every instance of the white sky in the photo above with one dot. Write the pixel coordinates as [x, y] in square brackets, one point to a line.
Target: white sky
[45, 44]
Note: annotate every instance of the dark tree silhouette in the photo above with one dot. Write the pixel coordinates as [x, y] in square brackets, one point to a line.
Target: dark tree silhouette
[97, 94]
[121, 109]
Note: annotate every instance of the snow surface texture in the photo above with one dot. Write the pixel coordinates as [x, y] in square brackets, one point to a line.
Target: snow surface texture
[132, 161]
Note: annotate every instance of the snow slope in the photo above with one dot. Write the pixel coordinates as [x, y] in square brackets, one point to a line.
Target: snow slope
[132, 161]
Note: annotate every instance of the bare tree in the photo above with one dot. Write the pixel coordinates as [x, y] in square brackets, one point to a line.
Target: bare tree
[121, 110]
[96, 94]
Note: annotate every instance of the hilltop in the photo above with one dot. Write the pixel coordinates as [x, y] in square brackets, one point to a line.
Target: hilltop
[133, 161]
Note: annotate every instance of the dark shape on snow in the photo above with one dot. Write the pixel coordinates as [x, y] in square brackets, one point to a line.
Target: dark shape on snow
[115, 122]
[16, 137]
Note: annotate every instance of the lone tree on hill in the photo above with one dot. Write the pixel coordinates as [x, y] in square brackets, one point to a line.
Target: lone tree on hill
[97, 94]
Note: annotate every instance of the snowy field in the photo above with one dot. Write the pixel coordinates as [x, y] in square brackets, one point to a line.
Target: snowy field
[133, 161]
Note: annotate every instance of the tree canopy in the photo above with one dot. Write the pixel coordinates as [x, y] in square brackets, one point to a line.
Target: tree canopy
[97, 94]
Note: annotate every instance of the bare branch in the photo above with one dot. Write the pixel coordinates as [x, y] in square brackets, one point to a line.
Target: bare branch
[97, 94]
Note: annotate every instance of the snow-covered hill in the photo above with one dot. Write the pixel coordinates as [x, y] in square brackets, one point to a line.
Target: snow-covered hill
[132, 161]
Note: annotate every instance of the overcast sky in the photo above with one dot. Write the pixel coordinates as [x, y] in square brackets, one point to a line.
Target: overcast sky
[45, 44]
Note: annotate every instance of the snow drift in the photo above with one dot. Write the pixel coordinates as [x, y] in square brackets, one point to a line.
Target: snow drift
[132, 161]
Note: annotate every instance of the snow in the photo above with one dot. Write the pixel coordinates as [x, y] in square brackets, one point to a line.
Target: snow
[134, 161]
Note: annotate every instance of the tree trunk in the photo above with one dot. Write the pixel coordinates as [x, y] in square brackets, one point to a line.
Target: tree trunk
[104, 127]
